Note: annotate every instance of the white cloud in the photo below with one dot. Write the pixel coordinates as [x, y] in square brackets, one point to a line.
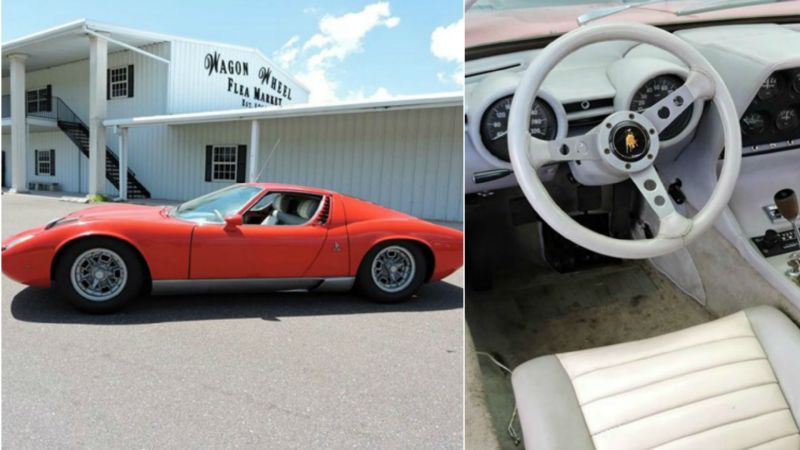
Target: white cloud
[337, 38]
[311, 10]
[447, 44]
[380, 94]
[456, 77]
[340, 36]
[288, 52]
[323, 89]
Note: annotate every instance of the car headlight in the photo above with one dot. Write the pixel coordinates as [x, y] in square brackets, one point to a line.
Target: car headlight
[16, 241]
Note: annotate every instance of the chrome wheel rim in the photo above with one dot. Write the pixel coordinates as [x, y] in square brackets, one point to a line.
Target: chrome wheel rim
[99, 274]
[393, 269]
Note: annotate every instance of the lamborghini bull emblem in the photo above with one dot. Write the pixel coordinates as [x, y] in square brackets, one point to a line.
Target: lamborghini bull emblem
[630, 142]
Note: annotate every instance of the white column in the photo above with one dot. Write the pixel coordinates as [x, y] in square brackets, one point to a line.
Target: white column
[19, 129]
[98, 63]
[123, 163]
[255, 151]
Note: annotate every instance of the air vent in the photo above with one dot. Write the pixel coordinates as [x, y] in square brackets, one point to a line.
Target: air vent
[322, 217]
[588, 122]
[586, 105]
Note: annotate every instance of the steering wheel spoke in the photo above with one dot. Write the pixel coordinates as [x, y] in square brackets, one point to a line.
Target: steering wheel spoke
[698, 86]
[574, 148]
[672, 223]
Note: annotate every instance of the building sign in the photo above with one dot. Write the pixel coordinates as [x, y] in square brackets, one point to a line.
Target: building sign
[267, 90]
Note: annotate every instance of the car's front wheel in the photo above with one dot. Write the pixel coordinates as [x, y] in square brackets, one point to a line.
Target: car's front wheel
[99, 275]
[392, 271]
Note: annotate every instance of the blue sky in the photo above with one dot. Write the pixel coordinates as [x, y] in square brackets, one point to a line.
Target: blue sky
[341, 50]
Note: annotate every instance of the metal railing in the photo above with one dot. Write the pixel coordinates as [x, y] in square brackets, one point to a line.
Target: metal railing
[51, 111]
[68, 122]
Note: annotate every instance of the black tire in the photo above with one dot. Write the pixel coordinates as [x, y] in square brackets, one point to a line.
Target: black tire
[368, 287]
[130, 289]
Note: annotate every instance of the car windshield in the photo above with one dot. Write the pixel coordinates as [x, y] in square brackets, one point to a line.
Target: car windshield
[213, 207]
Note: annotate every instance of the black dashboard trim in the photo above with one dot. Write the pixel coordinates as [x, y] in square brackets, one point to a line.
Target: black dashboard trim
[501, 48]
[496, 69]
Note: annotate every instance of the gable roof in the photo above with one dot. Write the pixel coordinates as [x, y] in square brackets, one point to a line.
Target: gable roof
[68, 43]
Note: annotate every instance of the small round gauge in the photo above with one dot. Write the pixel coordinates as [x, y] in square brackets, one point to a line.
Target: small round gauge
[654, 90]
[494, 125]
[754, 123]
[787, 119]
[796, 81]
[771, 87]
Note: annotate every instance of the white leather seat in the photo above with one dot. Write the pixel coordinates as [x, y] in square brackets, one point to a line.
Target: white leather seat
[733, 383]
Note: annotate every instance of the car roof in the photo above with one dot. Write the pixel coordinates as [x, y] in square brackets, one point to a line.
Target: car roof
[292, 187]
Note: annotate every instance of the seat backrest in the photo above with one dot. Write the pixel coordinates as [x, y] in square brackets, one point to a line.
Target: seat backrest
[283, 214]
[307, 208]
[283, 203]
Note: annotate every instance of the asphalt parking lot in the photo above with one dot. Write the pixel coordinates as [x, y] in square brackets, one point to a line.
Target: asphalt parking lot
[228, 371]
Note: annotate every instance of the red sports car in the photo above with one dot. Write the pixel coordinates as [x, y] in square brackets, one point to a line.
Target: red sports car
[254, 236]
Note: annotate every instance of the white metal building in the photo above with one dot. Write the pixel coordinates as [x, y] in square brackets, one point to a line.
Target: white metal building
[185, 117]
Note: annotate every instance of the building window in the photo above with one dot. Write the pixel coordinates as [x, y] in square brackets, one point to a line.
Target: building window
[223, 163]
[38, 100]
[118, 80]
[45, 161]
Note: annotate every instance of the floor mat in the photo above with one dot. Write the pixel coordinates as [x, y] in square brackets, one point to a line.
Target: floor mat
[532, 313]
[569, 293]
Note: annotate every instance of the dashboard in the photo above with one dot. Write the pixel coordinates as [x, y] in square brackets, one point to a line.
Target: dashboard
[759, 63]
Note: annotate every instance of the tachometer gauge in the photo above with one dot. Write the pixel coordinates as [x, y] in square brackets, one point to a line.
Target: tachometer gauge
[653, 91]
[754, 123]
[771, 87]
[494, 125]
[787, 119]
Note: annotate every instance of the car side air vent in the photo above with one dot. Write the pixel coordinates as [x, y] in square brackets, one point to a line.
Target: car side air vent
[322, 218]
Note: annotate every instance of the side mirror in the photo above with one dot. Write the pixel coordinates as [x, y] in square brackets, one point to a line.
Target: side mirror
[233, 221]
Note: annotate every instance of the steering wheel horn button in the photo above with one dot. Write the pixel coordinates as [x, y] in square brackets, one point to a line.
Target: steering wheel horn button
[630, 141]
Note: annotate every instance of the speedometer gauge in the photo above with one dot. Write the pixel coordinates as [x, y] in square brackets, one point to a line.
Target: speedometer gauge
[653, 91]
[494, 125]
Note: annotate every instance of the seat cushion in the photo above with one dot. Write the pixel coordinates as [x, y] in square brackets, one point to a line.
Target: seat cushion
[731, 383]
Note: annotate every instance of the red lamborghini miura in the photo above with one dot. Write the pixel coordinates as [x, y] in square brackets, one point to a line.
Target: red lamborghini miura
[254, 236]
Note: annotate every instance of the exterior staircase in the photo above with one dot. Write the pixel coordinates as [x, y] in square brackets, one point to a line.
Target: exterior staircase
[78, 133]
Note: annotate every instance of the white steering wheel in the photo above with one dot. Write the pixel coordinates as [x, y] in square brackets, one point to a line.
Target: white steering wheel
[625, 144]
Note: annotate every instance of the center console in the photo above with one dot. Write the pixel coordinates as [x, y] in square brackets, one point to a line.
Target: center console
[781, 248]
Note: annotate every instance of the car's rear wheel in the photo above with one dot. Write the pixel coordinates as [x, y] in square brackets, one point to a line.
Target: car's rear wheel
[99, 275]
[392, 271]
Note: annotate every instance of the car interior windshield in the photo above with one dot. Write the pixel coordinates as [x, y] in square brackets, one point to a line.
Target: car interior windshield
[215, 206]
[283, 208]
